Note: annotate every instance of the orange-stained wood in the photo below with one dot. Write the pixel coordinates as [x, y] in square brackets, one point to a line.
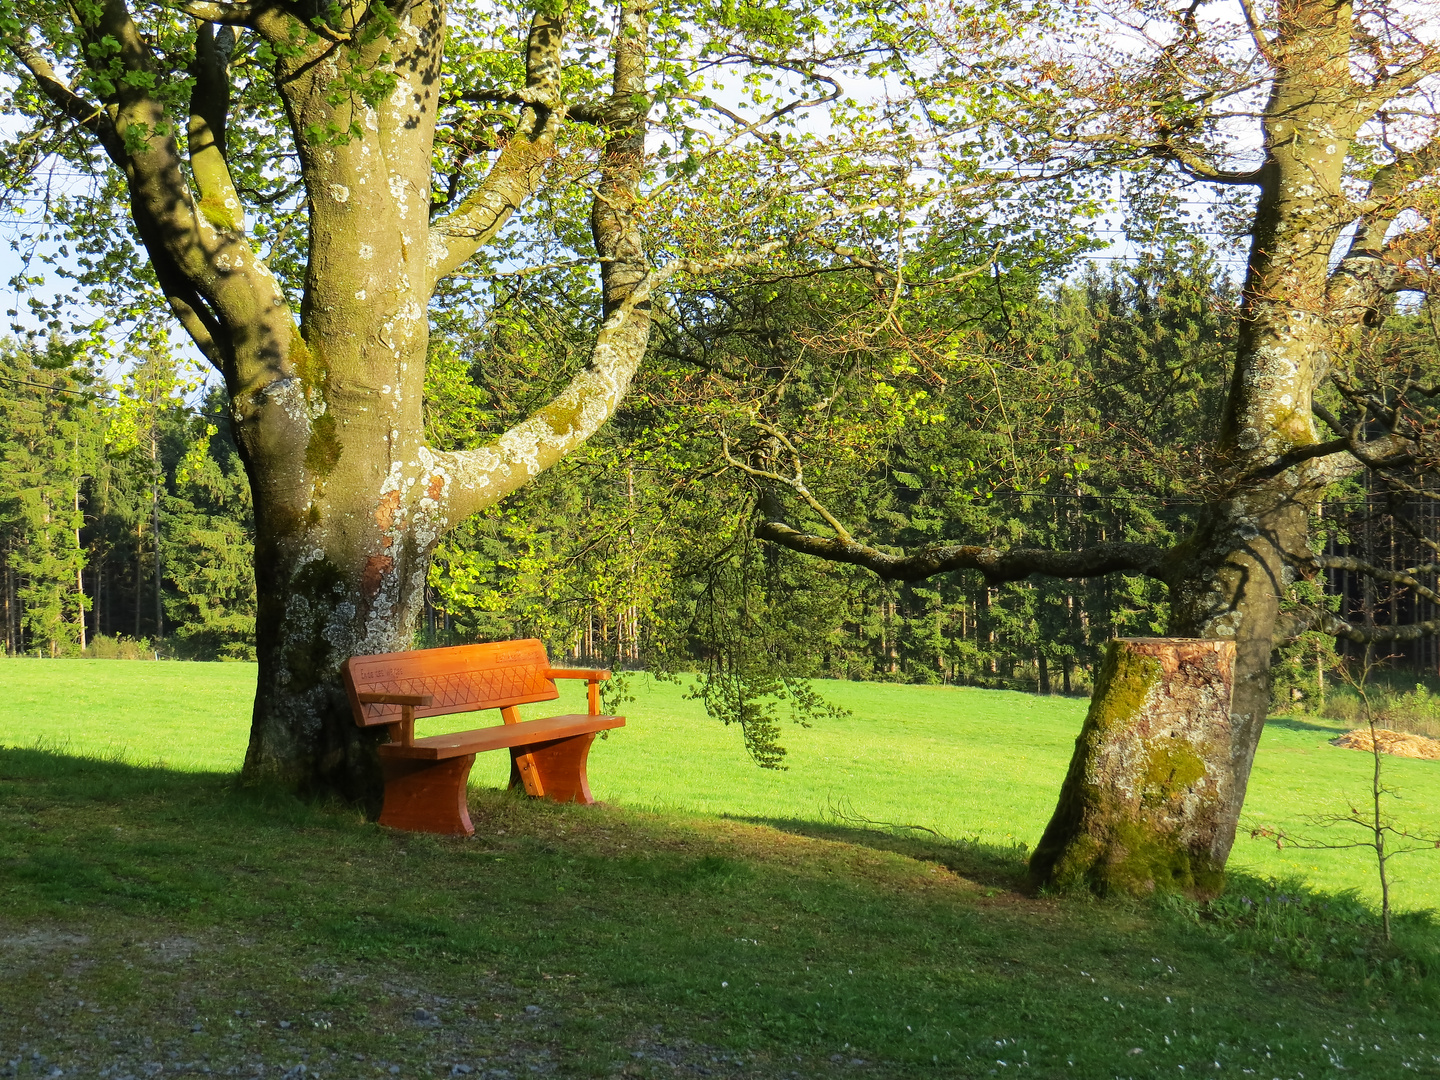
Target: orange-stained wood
[523, 773]
[459, 679]
[526, 732]
[427, 796]
[559, 767]
[595, 675]
[394, 699]
[425, 778]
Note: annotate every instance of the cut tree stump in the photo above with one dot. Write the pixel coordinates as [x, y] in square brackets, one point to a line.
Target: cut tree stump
[1142, 807]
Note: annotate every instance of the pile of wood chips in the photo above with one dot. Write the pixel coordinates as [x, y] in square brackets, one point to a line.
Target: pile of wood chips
[1399, 743]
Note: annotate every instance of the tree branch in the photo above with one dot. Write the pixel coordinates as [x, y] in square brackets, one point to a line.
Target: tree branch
[1329, 623]
[995, 564]
[209, 106]
[92, 117]
[516, 174]
[1404, 578]
[474, 479]
[226, 14]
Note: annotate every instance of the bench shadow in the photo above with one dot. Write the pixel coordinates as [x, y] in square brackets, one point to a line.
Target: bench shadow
[995, 865]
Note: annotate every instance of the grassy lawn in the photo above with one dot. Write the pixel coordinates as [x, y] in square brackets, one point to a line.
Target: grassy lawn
[713, 920]
[970, 764]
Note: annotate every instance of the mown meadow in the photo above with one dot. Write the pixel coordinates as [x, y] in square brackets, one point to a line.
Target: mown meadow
[861, 912]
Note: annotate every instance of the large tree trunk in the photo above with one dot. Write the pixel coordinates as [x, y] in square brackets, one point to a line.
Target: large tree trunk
[1228, 580]
[350, 500]
[347, 501]
[1145, 805]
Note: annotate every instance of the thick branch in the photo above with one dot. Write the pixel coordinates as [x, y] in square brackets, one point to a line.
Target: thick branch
[1386, 452]
[996, 565]
[1371, 268]
[516, 173]
[209, 106]
[92, 117]
[212, 279]
[479, 478]
[1298, 456]
[227, 14]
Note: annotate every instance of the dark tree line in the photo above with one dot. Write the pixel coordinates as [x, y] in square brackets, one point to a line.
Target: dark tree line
[638, 554]
[124, 513]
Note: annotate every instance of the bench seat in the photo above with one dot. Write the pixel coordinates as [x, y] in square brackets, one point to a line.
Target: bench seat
[500, 737]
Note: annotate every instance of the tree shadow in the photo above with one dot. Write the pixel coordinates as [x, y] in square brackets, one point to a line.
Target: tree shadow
[1292, 723]
[77, 779]
[995, 865]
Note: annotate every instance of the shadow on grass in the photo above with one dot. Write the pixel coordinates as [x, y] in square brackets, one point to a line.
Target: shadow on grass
[1295, 723]
[78, 779]
[994, 865]
[663, 913]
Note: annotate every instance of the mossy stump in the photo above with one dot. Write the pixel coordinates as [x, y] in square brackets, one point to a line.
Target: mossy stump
[1143, 805]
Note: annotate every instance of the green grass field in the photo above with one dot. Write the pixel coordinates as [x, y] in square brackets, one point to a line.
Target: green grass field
[712, 920]
[969, 764]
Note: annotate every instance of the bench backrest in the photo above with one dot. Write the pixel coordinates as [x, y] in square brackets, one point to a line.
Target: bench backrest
[460, 679]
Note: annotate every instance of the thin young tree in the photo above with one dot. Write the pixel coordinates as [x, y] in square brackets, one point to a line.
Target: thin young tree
[1380, 833]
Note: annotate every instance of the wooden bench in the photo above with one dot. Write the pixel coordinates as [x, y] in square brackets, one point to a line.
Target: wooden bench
[425, 778]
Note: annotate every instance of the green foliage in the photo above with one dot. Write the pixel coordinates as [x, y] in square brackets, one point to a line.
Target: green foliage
[1009, 416]
[48, 445]
[104, 647]
[210, 538]
[86, 481]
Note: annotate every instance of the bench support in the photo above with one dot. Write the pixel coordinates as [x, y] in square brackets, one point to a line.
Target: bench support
[427, 796]
[554, 770]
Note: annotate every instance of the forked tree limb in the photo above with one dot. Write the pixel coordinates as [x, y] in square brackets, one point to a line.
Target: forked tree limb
[516, 174]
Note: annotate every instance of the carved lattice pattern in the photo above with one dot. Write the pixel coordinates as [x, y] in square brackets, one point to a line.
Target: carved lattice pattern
[459, 679]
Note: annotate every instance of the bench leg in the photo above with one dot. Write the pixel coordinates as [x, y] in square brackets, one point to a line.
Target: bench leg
[427, 796]
[554, 770]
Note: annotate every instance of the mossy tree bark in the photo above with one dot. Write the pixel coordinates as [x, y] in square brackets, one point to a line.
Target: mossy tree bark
[326, 401]
[1145, 804]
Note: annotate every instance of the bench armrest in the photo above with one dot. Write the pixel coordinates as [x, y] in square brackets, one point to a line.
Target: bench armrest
[594, 675]
[394, 699]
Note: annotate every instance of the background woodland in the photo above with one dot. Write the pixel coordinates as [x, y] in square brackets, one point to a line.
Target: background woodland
[1061, 411]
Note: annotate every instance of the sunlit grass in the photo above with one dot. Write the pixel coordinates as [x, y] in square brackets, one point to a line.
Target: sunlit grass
[162, 919]
[968, 764]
